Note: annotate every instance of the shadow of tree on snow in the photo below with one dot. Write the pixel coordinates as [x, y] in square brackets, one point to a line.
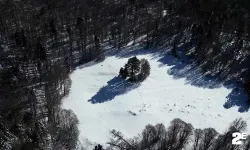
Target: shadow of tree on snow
[180, 68]
[192, 73]
[237, 98]
[116, 86]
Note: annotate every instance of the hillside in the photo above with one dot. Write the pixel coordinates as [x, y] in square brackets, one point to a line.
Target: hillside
[102, 101]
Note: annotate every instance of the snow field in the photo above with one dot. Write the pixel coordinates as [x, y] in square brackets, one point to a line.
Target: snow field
[103, 102]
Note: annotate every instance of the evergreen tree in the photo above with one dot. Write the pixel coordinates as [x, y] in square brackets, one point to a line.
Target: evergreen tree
[121, 73]
[125, 72]
[53, 27]
[98, 51]
[174, 49]
[98, 147]
[134, 67]
[247, 88]
[145, 69]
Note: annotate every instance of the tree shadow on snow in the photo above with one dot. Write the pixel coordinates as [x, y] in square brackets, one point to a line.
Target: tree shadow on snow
[136, 51]
[237, 98]
[182, 68]
[116, 86]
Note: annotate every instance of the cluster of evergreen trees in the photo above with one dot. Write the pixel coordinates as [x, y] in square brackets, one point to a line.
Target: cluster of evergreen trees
[135, 70]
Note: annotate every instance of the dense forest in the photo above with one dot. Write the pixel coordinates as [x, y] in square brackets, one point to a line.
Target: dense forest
[42, 41]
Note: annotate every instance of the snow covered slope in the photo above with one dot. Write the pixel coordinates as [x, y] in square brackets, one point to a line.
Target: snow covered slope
[102, 101]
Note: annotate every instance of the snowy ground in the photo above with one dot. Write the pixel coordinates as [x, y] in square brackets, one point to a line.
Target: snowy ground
[102, 101]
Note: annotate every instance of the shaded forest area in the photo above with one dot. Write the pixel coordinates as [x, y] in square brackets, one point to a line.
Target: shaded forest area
[42, 41]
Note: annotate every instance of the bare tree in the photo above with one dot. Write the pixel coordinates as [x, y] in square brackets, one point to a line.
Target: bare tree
[198, 133]
[208, 138]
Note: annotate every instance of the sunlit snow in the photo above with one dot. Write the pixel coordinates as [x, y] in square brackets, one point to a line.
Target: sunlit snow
[102, 101]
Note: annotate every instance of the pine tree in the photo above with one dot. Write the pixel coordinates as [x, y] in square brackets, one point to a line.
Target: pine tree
[174, 51]
[145, 70]
[98, 51]
[40, 52]
[134, 67]
[125, 72]
[53, 27]
[121, 72]
[247, 88]
[98, 147]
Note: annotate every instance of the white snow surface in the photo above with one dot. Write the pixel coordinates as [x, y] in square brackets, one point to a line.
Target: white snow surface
[159, 99]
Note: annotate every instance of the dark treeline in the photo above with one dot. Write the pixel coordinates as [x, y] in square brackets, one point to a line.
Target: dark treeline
[42, 41]
[179, 136]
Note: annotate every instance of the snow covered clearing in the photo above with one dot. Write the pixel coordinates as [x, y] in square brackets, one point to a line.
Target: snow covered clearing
[102, 101]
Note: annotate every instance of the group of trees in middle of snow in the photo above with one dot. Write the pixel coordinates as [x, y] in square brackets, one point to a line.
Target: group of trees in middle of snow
[135, 70]
[179, 136]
